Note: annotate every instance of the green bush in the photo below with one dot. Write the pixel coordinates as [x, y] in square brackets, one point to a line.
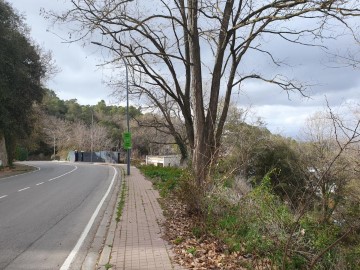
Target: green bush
[260, 223]
[256, 224]
[289, 180]
[21, 154]
[166, 179]
[179, 182]
[263, 225]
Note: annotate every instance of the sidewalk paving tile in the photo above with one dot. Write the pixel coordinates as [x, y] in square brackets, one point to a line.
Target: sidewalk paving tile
[138, 244]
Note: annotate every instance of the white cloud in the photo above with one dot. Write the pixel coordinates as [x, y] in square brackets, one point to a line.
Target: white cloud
[81, 79]
[285, 120]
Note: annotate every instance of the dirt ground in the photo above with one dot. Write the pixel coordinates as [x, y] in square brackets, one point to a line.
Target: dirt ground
[17, 169]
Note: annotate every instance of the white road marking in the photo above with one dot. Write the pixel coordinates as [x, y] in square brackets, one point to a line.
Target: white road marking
[38, 184]
[52, 179]
[70, 258]
[23, 189]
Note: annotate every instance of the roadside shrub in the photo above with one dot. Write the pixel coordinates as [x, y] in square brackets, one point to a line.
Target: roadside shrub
[259, 224]
[289, 180]
[267, 220]
[21, 154]
[255, 224]
[262, 226]
[166, 179]
[178, 182]
[190, 195]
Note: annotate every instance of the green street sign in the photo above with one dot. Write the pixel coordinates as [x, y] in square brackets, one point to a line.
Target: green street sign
[127, 140]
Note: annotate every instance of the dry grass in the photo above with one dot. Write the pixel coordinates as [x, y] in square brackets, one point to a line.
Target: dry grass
[17, 169]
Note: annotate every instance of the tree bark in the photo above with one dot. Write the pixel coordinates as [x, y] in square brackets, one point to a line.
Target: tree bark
[3, 153]
[200, 155]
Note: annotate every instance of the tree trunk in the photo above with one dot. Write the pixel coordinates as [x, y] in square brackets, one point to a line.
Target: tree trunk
[183, 149]
[3, 153]
[205, 143]
[10, 143]
[199, 158]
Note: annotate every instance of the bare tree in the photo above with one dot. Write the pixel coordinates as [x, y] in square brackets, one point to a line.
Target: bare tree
[157, 131]
[57, 131]
[100, 138]
[66, 135]
[79, 133]
[330, 155]
[175, 47]
[83, 136]
[332, 160]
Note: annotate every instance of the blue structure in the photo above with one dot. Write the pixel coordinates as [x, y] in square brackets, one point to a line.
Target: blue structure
[102, 156]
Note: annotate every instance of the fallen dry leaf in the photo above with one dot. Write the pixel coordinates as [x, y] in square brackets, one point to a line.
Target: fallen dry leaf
[208, 252]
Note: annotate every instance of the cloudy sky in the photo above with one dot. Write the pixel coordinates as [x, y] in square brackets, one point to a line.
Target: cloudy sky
[80, 78]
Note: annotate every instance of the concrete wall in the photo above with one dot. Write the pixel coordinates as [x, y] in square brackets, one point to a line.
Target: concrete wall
[101, 156]
[165, 161]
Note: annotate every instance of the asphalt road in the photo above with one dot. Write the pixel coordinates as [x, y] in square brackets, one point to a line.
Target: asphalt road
[44, 213]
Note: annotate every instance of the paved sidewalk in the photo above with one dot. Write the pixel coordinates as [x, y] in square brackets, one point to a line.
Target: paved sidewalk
[138, 243]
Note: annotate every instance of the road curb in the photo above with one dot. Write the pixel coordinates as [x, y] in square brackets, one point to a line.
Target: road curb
[105, 255]
[100, 242]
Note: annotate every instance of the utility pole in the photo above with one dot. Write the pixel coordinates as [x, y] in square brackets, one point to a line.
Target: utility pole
[127, 101]
[127, 113]
[54, 137]
[91, 135]
[54, 145]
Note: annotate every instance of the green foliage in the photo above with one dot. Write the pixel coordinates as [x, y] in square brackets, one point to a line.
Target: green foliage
[121, 203]
[317, 234]
[108, 266]
[178, 182]
[166, 179]
[53, 105]
[178, 240]
[21, 154]
[261, 223]
[111, 117]
[191, 250]
[162, 173]
[351, 257]
[254, 224]
[289, 181]
[21, 72]
[252, 151]
[71, 110]
[197, 231]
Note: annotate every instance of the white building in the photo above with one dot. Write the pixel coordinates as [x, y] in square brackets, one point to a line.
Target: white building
[165, 161]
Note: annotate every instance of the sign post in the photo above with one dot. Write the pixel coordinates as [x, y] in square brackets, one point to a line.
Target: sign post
[127, 140]
[127, 147]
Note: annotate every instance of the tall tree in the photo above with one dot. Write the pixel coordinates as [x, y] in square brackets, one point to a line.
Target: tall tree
[191, 53]
[21, 72]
